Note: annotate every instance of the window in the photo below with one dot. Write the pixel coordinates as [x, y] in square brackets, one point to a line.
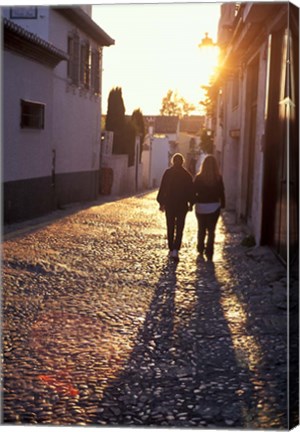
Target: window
[32, 115]
[85, 65]
[95, 71]
[73, 62]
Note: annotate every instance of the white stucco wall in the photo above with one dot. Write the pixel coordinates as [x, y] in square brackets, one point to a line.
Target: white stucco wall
[75, 135]
[27, 153]
[119, 165]
[77, 112]
[229, 166]
[124, 177]
[159, 160]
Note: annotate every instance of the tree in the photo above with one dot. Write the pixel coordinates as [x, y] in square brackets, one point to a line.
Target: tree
[129, 135]
[209, 103]
[175, 105]
[138, 121]
[210, 106]
[124, 130]
[115, 119]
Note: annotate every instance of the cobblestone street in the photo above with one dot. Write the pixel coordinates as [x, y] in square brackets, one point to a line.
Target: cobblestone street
[100, 329]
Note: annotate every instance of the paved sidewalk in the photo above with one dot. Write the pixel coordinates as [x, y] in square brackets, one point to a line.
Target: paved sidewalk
[101, 329]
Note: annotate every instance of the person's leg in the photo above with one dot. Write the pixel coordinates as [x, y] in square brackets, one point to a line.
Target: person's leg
[201, 232]
[170, 217]
[211, 227]
[180, 221]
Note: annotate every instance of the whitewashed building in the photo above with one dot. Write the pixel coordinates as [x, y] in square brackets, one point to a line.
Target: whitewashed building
[160, 143]
[52, 62]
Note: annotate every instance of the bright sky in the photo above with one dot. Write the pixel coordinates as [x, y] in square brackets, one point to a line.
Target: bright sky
[156, 49]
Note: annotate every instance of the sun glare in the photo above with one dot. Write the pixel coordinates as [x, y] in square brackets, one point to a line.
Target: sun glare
[156, 50]
[189, 81]
[209, 58]
[210, 61]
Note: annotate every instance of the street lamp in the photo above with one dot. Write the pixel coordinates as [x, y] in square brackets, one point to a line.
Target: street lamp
[209, 52]
[207, 42]
[208, 47]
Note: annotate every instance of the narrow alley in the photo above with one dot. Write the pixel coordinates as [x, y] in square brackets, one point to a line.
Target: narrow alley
[100, 329]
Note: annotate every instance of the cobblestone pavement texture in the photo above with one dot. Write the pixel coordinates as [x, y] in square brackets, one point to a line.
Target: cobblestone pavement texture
[99, 328]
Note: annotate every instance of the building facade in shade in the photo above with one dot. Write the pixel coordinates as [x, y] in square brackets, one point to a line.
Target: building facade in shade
[256, 118]
[52, 63]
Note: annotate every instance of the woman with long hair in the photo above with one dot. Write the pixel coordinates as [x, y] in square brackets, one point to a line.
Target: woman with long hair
[210, 198]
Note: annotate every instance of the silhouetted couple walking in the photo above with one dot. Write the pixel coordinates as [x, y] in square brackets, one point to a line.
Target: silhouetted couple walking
[177, 195]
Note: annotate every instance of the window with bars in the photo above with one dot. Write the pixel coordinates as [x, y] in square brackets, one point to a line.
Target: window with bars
[84, 64]
[73, 62]
[95, 71]
[32, 115]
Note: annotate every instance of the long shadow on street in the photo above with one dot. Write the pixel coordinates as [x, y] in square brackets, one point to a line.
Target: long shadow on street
[182, 371]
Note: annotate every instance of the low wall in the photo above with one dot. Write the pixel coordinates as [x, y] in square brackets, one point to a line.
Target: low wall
[126, 180]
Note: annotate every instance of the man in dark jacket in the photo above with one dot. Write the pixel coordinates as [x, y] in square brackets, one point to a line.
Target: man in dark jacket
[175, 197]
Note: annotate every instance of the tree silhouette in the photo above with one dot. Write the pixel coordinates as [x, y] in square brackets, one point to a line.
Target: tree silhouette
[124, 130]
[129, 140]
[210, 100]
[175, 105]
[138, 121]
[115, 119]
